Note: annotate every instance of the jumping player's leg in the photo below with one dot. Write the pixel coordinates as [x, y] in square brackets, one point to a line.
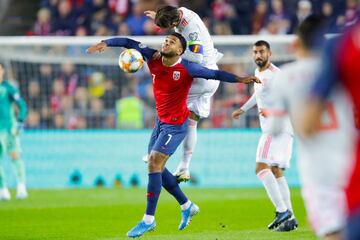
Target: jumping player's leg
[199, 103]
[182, 172]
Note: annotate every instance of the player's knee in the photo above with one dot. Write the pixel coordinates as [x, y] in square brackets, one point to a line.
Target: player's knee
[260, 167]
[154, 163]
[277, 172]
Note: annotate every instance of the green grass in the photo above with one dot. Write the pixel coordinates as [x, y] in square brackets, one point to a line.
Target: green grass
[107, 214]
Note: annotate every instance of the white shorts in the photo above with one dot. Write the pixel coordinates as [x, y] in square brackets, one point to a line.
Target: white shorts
[275, 150]
[326, 208]
[201, 91]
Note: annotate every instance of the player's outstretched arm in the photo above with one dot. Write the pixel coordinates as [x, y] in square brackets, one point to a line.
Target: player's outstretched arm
[123, 42]
[99, 48]
[198, 71]
[247, 79]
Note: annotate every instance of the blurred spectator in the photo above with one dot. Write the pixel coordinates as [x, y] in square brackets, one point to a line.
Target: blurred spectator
[59, 121]
[136, 20]
[110, 95]
[279, 17]
[129, 110]
[125, 17]
[97, 84]
[327, 11]
[102, 30]
[81, 100]
[45, 79]
[64, 21]
[34, 99]
[46, 120]
[350, 15]
[81, 122]
[43, 23]
[33, 120]
[95, 117]
[121, 7]
[304, 9]
[123, 29]
[259, 16]
[57, 94]
[70, 77]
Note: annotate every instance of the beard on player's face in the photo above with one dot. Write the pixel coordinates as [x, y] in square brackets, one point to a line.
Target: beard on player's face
[168, 54]
[261, 62]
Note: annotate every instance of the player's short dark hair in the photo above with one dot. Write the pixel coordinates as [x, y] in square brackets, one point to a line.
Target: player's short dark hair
[166, 16]
[182, 40]
[311, 31]
[262, 43]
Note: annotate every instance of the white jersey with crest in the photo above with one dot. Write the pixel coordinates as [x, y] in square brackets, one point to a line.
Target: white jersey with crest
[193, 29]
[326, 157]
[263, 99]
[201, 50]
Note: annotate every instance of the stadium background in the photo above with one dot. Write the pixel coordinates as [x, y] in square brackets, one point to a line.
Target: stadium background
[88, 122]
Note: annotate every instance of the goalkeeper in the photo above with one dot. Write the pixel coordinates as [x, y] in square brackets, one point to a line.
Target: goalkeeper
[9, 136]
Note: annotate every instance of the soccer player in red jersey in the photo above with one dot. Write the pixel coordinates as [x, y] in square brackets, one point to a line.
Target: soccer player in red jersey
[172, 78]
[341, 65]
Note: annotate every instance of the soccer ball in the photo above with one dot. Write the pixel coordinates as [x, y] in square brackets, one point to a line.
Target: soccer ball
[131, 60]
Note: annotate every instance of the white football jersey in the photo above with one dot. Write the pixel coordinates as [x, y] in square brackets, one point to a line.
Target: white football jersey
[193, 29]
[334, 142]
[263, 99]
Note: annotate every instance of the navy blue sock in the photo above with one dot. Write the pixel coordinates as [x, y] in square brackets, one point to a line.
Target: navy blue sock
[153, 192]
[172, 186]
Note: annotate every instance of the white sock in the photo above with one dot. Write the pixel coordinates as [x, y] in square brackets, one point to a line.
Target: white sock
[189, 144]
[272, 189]
[185, 205]
[285, 192]
[148, 219]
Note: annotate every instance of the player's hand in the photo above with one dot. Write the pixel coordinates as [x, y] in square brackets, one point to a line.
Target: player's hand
[150, 14]
[99, 47]
[19, 128]
[237, 113]
[249, 79]
[156, 55]
[263, 113]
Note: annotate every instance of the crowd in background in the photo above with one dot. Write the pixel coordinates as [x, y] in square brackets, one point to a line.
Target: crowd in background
[73, 96]
[223, 17]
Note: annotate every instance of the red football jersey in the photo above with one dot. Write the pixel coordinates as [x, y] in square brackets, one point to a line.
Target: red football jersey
[171, 86]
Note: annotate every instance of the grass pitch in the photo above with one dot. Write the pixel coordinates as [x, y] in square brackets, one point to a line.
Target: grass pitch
[107, 214]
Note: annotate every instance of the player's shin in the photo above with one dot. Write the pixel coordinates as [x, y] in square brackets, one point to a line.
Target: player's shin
[272, 189]
[285, 192]
[18, 166]
[153, 193]
[171, 185]
[2, 177]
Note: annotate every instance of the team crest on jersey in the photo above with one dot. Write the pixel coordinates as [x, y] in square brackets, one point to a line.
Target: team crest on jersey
[176, 75]
[193, 36]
